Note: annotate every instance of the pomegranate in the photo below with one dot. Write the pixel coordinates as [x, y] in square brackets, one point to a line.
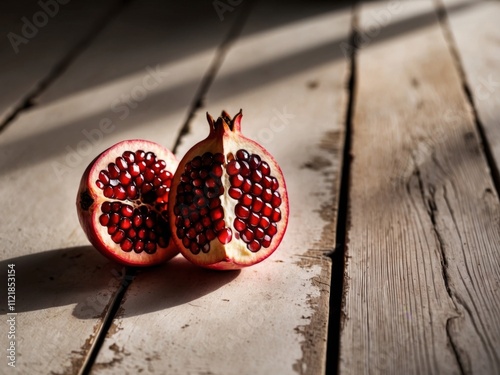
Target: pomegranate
[122, 203]
[228, 202]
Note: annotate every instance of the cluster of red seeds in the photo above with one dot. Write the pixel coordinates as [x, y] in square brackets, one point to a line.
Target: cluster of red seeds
[257, 211]
[198, 210]
[139, 229]
[137, 176]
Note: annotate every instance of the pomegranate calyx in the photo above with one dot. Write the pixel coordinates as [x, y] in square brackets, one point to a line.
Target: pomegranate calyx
[224, 123]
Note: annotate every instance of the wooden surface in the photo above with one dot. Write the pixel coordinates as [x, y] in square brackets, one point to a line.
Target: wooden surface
[421, 292]
[417, 117]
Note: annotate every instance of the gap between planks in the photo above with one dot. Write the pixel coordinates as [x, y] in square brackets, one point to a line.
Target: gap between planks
[339, 254]
[60, 67]
[130, 272]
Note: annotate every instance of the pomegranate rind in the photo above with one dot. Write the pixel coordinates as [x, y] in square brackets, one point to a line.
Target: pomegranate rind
[235, 254]
[89, 216]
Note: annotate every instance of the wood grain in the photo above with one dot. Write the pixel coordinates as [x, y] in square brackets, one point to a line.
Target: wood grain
[36, 42]
[64, 286]
[480, 63]
[421, 293]
[290, 79]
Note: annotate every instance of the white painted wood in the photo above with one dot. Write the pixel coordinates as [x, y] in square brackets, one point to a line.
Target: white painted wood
[35, 39]
[421, 293]
[476, 35]
[64, 285]
[288, 74]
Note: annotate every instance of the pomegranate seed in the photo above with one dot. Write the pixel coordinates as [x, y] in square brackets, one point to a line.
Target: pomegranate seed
[99, 184]
[194, 248]
[276, 199]
[225, 236]
[162, 242]
[129, 156]
[239, 224]
[157, 182]
[267, 195]
[272, 230]
[259, 233]
[241, 211]
[206, 222]
[126, 245]
[118, 236]
[245, 169]
[257, 204]
[217, 171]
[112, 229]
[109, 192]
[131, 233]
[254, 246]
[210, 234]
[121, 163]
[137, 221]
[210, 183]
[265, 168]
[139, 154]
[162, 190]
[256, 176]
[242, 155]
[257, 189]
[201, 239]
[104, 177]
[246, 200]
[236, 181]
[106, 207]
[125, 223]
[186, 242]
[217, 213]
[234, 193]
[115, 218]
[150, 247]
[264, 222]
[116, 206]
[119, 192]
[149, 175]
[267, 182]
[254, 161]
[139, 246]
[219, 158]
[253, 219]
[131, 192]
[191, 233]
[276, 184]
[233, 168]
[267, 210]
[141, 234]
[134, 171]
[246, 186]
[125, 178]
[247, 235]
[147, 187]
[219, 225]
[266, 241]
[276, 215]
[149, 222]
[150, 158]
[113, 170]
[139, 180]
[142, 166]
[127, 210]
[214, 203]
[165, 175]
[104, 220]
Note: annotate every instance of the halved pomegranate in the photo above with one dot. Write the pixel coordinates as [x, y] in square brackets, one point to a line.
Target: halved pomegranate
[123, 199]
[229, 204]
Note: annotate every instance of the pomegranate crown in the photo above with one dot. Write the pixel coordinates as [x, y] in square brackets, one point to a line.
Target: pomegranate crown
[224, 122]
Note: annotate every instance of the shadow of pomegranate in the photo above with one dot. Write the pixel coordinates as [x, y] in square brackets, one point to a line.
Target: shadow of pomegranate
[82, 276]
[172, 284]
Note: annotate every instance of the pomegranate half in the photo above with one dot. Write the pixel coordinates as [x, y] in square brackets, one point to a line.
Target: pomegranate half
[229, 204]
[123, 199]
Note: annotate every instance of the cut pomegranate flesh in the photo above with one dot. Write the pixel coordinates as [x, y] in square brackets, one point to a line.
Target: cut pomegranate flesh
[229, 202]
[123, 200]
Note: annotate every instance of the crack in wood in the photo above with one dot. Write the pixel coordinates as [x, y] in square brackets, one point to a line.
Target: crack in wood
[432, 211]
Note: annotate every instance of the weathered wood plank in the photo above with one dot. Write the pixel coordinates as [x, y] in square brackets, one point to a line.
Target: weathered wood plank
[477, 40]
[64, 285]
[421, 293]
[36, 37]
[290, 79]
